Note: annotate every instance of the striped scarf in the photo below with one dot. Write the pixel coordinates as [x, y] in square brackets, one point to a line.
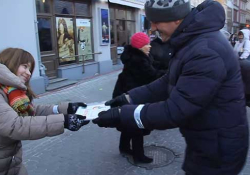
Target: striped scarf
[19, 101]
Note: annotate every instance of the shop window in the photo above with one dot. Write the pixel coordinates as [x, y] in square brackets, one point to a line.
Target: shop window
[84, 44]
[130, 30]
[130, 15]
[44, 32]
[63, 7]
[112, 13]
[65, 40]
[112, 32]
[120, 14]
[42, 6]
[82, 9]
[121, 34]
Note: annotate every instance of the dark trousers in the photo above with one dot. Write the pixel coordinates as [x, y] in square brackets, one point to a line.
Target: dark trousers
[137, 143]
[245, 72]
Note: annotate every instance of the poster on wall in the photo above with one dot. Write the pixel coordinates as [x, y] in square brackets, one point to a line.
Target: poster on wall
[104, 16]
[84, 39]
[65, 39]
[142, 23]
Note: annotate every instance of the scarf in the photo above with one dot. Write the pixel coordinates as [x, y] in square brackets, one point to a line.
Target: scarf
[19, 101]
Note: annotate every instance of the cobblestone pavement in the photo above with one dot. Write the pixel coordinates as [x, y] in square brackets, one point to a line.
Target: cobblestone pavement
[93, 150]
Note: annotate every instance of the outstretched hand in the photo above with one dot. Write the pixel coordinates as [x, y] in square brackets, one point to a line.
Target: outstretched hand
[108, 119]
[72, 107]
[74, 122]
[117, 101]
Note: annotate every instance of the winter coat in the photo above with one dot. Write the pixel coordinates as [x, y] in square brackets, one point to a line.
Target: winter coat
[245, 72]
[138, 70]
[202, 94]
[246, 32]
[14, 128]
[159, 50]
[243, 48]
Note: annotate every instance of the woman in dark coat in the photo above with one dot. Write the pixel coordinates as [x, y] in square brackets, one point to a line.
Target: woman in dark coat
[160, 52]
[138, 70]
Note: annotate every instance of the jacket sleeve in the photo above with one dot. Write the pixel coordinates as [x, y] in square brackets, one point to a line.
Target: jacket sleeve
[28, 127]
[246, 50]
[146, 70]
[151, 92]
[199, 81]
[48, 109]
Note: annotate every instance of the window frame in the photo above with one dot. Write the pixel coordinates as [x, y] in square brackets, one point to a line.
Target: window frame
[48, 16]
[116, 19]
[75, 16]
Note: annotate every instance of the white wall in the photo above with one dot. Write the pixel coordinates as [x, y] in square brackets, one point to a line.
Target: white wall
[130, 3]
[18, 28]
[195, 3]
[97, 32]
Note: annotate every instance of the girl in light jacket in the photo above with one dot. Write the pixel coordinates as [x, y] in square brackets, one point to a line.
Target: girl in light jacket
[19, 118]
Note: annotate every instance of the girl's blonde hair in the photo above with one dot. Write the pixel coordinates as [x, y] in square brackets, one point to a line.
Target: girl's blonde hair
[12, 58]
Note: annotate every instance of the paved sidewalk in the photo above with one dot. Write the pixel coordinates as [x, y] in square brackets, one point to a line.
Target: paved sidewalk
[93, 150]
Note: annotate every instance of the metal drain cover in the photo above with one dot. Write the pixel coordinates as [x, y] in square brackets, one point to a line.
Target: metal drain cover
[162, 157]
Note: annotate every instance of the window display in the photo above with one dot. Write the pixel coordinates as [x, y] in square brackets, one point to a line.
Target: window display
[84, 38]
[65, 39]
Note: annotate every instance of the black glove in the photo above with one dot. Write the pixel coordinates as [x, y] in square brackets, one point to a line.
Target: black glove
[72, 107]
[117, 101]
[108, 119]
[74, 122]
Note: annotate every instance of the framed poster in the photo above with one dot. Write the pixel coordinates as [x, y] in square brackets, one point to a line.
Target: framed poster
[84, 43]
[104, 26]
[65, 39]
[142, 19]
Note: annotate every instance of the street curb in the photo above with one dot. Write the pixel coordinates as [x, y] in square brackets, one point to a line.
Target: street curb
[79, 82]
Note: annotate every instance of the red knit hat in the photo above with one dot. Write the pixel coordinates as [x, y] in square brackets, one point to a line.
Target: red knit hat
[140, 39]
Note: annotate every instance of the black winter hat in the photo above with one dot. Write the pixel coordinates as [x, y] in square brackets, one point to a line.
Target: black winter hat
[166, 10]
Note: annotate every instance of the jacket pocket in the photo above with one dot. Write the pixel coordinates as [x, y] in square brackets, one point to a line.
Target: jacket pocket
[233, 143]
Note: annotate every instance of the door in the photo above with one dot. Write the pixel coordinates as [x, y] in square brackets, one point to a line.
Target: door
[47, 46]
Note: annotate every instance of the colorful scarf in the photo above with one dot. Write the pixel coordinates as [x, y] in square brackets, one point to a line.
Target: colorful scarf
[19, 101]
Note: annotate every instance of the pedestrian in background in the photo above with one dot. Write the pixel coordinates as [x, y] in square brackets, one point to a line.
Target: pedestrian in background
[138, 70]
[246, 32]
[19, 118]
[202, 93]
[242, 48]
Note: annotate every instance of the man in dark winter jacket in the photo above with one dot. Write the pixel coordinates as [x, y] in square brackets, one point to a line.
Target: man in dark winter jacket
[202, 93]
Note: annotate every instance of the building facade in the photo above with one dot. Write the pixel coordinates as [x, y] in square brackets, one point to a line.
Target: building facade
[72, 39]
[238, 15]
[76, 39]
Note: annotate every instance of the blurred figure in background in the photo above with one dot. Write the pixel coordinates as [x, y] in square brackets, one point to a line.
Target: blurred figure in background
[242, 49]
[242, 46]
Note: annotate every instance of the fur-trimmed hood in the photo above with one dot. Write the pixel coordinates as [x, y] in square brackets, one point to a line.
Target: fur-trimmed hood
[9, 79]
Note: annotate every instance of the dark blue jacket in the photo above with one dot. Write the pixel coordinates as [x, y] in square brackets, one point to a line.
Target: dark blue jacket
[202, 94]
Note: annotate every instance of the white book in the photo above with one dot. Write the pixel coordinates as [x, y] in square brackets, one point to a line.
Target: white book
[92, 110]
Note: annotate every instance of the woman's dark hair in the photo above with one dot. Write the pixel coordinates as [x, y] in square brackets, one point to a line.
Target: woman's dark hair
[66, 33]
[12, 58]
[240, 33]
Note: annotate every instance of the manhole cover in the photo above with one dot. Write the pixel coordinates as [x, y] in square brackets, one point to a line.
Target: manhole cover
[161, 155]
